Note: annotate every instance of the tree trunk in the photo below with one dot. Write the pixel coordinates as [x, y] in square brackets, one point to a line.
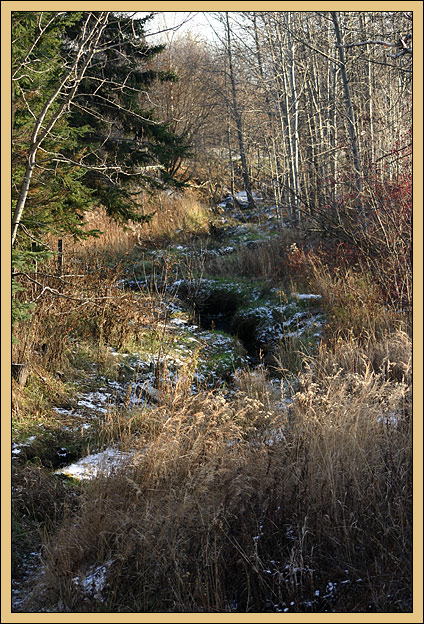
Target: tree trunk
[351, 124]
[237, 117]
[294, 123]
[230, 154]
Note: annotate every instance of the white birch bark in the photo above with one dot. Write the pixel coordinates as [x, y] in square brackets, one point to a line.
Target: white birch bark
[237, 117]
[351, 122]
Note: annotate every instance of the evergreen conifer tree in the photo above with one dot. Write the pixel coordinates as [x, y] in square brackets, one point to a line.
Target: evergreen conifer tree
[84, 131]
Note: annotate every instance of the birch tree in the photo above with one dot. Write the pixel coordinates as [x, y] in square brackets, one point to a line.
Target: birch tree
[351, 121]
[237, 116]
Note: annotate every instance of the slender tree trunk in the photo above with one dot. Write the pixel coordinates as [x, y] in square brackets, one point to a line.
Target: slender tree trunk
[237, 117]
[288, 110]
[351, 123]
[286, 126]
[294, 107]
[333, 133]
[270, 137]
[279, 128]
[230, 152]
[369, 124]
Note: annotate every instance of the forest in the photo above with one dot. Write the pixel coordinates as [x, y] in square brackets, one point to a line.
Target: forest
[211, 248]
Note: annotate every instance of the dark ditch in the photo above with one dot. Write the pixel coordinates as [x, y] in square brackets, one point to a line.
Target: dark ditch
[217, 314]
[51, 456]
[225, 322]
[231, 308]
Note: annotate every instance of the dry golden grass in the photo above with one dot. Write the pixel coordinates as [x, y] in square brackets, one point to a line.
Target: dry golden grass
[268, 260]
[114, 243]
[238, 504]
[354, 304]
[176, 501]
[255, 384]
[176, 218]
[222, 491]
[391, 356]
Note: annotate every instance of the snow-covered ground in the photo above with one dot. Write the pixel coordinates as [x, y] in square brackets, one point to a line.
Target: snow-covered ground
[91, 466]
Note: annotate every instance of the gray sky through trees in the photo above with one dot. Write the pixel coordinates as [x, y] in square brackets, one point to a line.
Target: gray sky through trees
[168, 24]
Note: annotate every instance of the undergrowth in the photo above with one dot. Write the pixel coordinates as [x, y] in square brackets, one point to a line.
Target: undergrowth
[293, 496]
[228, 505]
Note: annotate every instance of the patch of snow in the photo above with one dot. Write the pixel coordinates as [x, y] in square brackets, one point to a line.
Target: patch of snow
[178, 321]
[115, 384]
[305, 296]
[101, 397]
[62, 411]
[314, 321]
[242, 196]
[19, 592]
[389, 419]
[91, 401]
[116, 353]
[91, 466]
[276, 436]
[17, 447]
[92, 406]
[178, 283]
[331, 590]
[93, 581]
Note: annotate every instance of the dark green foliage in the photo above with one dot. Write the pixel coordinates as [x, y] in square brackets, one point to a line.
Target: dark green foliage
[112, 105]
[106, 145]
[22, 261]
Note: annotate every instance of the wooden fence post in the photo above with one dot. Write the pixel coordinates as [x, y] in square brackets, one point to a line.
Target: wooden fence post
[34, 248]
[60, 257]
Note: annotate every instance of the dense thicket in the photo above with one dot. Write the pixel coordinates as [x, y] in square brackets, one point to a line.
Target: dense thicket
[314, 110]
[84, 131]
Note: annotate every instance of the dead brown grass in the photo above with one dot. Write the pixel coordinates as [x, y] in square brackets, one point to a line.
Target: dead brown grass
[177, 217]
[270, 260]
[241, 504]
[354, 303]
[229, 503]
